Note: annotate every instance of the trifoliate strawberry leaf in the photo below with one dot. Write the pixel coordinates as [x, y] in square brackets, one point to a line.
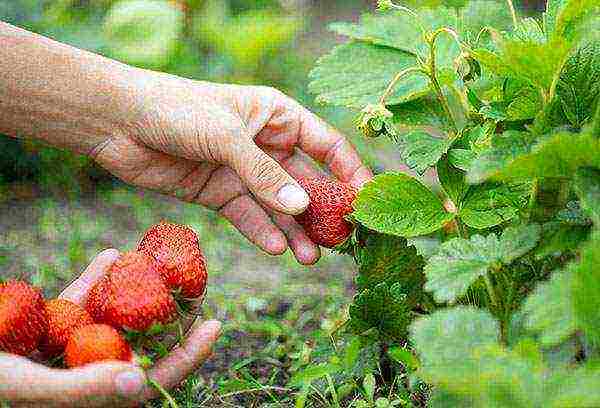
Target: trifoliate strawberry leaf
[460, 262]
[420, 150]
[578, 87]
[587, 187]
[382, 307]
[397, 204]
[389, 259]
[549, 311]
[490, 204]
[358, 73]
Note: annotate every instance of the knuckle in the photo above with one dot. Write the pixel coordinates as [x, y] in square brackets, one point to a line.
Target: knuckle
[265, 173]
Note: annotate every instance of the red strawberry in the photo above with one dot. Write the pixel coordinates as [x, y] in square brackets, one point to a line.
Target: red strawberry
[136, 297]
[64, 316]
[177, 247]
[23, 319]
[96, 301]
[323, 220]
[96, 342]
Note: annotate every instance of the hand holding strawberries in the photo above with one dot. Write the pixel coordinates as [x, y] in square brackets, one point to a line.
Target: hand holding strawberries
[26, 383]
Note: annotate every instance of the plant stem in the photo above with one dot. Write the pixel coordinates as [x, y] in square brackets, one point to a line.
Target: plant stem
[433, 74]
[395, 81]
[491, 290]
[513, 13]
[172, 403]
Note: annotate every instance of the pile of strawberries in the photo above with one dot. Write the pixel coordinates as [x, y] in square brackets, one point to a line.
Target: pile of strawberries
[143, 290]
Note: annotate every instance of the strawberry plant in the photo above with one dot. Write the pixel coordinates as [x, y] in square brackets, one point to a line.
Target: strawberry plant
[483, 288]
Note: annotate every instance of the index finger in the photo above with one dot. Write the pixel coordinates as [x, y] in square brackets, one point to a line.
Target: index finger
[325, 144]
[77, 291]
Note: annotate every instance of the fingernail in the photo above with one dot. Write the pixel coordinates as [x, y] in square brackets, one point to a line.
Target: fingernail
[129, 383]
[292, 197]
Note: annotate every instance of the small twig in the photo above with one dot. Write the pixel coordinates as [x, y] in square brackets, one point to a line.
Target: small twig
[433, 74]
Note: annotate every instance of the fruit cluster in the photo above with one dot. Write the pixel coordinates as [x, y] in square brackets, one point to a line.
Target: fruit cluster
[142, 290]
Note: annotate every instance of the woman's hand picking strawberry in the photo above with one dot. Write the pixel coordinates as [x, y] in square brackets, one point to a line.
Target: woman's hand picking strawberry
[24, 383]
[236, 149]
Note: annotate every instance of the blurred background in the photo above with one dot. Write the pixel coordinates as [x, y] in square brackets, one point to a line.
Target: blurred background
[57, 210]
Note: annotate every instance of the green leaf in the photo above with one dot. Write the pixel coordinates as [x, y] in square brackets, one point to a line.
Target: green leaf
[586, 290]
[558, 156]
[357, 74]
[525, 106]
[457, 265]
[397, 29]
[490, 204]
[425, 111]
[578, 87]
[578, 389]
[449, 335]
[460, 262]
[548, 310]
[383, 308]
[403, 356]
[572, 17]
[420, 150]
[452, 181]
[312, 373]
[397, 204]
[587, 187]
[388, 259]
[531, 61]
[461, 158]
[352, 353]
[505, 148]
[461, 356]
[517, 241]
[559, 238]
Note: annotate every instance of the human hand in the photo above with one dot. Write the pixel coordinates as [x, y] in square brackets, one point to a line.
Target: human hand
[235, 149]
[24, 383]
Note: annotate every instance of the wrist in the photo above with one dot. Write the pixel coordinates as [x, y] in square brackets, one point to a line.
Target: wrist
[64, 96]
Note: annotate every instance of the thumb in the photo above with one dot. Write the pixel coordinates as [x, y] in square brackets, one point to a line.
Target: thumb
[268, 181]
